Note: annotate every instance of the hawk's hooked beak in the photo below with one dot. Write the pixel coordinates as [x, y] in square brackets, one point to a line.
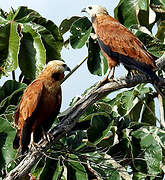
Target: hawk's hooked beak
[67, 68]
[83, 10]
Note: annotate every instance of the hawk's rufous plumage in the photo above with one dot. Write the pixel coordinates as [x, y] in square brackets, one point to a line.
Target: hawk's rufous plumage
[119, 45]
[39, 105]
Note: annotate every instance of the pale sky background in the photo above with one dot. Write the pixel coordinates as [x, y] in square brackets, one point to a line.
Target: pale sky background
[57, 10]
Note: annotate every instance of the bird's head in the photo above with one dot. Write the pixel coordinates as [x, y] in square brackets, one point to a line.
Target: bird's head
[95, 10]
[55, 69]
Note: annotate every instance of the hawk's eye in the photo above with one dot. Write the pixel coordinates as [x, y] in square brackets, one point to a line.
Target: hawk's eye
[90, 7]
[64, 65]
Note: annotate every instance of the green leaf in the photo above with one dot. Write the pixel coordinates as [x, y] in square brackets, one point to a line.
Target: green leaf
[148, 115]
[161, 31]
[158, 6]
[135, 113]
[153, 45]
[127, 103]
[3, 21]
[51, 38]
[9, 47]
[139, 176]
[13, 49]
[32, 56]
[130, 12]
[23, 15]
[143, 5]
[100, 128]
[156, 48]
[142, 33]
[142, 89]
[67, 23]
[10, 94]
[75, 141]
[58, 171]
[80, 31]
[101, 107]
[151, 148]
[38, 168]
[101, 164]
[78, 169]
[125, 12]
[3, 14]
[97, 63]
[7, 134]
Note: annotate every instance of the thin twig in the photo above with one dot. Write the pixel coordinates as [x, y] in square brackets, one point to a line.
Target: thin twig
[161, 110]
[74, 69]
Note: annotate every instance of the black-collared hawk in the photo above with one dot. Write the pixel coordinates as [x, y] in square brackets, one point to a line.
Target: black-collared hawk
[39, 105]
[119, 45]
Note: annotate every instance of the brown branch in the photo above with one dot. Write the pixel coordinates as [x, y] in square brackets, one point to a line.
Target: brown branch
[68, 121]
[161, 61]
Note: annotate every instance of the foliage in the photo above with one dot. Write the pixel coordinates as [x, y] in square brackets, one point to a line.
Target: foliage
[27, 38]
[116, 138]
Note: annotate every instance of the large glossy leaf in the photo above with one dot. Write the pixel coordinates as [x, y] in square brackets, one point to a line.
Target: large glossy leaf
[101, 107]
[151, 147]
[78, 171]
[125, 12]
[41, 41]
[135, 112]
[80, 31]
[130, 12]
[10, 94]
[97, 63]
[148, 115]
[100, 127]
[67, 23]
[126, 101]
[9, 47]
[7, 134]
[32, 56]
[51, 38]
[22, 15]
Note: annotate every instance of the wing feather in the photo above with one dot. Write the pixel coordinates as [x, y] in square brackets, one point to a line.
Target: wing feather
[119, 39]
[24, 114]
[30, 99]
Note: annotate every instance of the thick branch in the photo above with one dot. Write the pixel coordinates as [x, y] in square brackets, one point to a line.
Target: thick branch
[69, 121]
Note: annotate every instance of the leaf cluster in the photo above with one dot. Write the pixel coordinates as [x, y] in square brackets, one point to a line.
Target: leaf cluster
[118, 137]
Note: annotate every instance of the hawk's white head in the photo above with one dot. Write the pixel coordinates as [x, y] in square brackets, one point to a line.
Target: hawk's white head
[95, 10]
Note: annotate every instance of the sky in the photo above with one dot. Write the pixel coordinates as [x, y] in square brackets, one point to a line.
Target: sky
[57, 10]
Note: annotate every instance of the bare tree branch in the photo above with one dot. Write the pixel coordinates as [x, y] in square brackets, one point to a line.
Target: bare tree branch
[161, 61]
[68, 121]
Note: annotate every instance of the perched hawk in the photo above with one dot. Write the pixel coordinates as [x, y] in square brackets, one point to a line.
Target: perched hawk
[39, 106]
[119, 45]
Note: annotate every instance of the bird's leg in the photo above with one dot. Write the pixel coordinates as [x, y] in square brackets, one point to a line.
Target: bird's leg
[105, 79]
[32, 143]
[113, 73]
[46, 135]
